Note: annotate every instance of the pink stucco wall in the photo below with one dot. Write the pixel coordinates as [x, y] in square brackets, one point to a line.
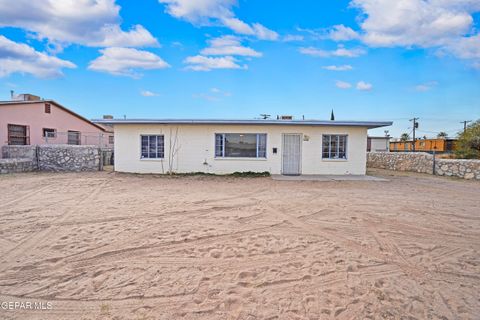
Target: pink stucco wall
[34, 116]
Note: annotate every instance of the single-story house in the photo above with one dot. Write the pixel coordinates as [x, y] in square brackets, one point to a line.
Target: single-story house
[28, 120]
[439, 145]
[378, 144]
[289, 147]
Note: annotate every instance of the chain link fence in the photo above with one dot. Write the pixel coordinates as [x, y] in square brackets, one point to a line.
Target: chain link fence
[103, 140]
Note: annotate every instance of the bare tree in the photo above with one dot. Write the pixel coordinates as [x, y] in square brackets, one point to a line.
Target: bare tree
[173, 148]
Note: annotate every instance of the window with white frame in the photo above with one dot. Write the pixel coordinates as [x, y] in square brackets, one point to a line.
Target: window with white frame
[334, 146]
[152, 146]
[240, 145]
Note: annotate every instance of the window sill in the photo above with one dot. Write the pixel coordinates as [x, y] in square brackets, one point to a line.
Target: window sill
[152, 159]
[240, 158]
[335, 160]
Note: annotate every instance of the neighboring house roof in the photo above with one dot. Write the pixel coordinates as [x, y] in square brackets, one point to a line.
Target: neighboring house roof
[2, 103]
[368, 124]
[386, 138]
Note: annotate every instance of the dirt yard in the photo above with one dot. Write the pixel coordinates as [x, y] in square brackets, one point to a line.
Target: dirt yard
[118, 246]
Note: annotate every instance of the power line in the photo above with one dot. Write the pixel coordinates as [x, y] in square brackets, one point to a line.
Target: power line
[426, 131]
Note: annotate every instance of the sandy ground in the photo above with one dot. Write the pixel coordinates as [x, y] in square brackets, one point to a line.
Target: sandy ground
[118, 246]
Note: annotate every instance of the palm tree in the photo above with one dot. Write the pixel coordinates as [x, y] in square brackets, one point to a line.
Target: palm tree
[442, 135]
[404, 137]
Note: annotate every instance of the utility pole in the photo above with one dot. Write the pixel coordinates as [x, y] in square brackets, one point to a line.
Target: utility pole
[465, 124]
[415, 126]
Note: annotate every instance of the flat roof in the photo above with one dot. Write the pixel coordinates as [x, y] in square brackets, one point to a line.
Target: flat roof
[335, 123]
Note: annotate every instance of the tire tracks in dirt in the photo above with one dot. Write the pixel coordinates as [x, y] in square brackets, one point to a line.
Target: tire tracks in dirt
[39, 236]
[408, 268]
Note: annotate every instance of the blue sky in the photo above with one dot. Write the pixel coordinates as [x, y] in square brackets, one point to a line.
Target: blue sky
[366, 59]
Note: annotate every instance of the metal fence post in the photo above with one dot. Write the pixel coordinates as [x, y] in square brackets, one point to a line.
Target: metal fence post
[434, 149]
[100, 164]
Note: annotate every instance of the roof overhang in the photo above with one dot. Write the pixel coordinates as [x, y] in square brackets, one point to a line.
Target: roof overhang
[365, 124]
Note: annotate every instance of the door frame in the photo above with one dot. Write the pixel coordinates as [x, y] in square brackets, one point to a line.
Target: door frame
[300, 153]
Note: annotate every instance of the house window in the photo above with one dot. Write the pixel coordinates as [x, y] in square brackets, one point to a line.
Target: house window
[48, 108]
[152, 146]
[73, 137]
[49, 133]
[334, 147]
[18, 135]
[110, 139]
[240, 145]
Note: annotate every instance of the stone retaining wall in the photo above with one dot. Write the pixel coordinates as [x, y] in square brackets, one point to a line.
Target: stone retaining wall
[68, 158]
[423, 162]
[16, 165]
[53, 157]
[12, 152]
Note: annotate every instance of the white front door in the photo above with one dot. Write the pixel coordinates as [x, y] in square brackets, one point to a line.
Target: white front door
[292, 154]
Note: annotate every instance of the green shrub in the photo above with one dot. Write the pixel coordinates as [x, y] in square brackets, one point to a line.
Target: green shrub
[468, 144]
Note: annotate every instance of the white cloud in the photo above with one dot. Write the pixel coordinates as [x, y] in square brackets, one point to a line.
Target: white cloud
[147, 93]
[415, 22]
[202, 63]
[21, 58]
[264, 33]
[125, 61]
[137, 36]
[220, 92]
[206, 12]
[229, 46]
[237, 26]
[343, 84]
[84, 22]
[293, 37]
[466, 47]
[345, 67]
[342, 33]
[426, 86]
[339, 52]
[445, 24]
[364, 86]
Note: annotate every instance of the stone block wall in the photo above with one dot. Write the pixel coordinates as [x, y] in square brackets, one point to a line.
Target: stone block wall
[16, 165]
[12, 152]
[68, 158]
[53, 157]
[423, 163]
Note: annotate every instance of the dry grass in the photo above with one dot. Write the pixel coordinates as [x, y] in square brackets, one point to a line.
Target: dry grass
[119, 246]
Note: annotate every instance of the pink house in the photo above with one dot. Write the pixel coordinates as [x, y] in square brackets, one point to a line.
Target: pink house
[27, 119]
